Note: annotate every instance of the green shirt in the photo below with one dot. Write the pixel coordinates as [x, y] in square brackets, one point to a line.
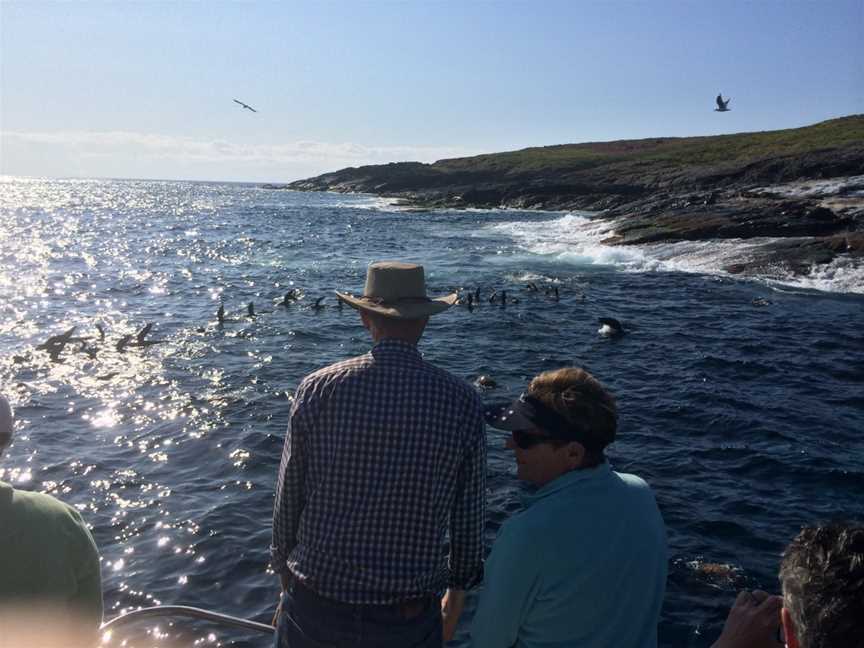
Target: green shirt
[47, 555]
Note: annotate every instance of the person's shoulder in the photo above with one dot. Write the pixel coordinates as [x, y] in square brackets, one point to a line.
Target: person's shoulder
[525, 532]
[335, 371]
[43, 509]
[456, 385]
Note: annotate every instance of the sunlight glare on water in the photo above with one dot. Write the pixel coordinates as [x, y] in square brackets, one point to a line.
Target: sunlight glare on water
[738, 401]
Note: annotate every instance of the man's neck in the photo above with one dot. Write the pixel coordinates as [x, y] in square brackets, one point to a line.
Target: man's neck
[408, 339]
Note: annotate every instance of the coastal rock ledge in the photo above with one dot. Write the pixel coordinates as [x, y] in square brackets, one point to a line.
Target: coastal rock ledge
[803, 188]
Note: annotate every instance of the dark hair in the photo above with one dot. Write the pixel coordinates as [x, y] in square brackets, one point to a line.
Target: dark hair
[580, 398]
[822, 574]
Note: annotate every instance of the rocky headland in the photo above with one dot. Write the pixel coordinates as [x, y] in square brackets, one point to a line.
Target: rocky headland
[803, 188]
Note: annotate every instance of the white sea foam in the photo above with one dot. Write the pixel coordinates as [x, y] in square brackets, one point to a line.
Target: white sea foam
[577, 240]
[841, 275]
[362, 201]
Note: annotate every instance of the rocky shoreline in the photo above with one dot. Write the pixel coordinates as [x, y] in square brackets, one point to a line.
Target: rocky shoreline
[801, 188]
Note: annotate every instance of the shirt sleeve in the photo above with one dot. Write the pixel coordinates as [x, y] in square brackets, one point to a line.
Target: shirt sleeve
[290, 496]
[509, 589]
[468, 515]
[87, 598]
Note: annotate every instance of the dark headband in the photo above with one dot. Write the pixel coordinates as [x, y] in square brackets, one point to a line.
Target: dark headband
[528, 412]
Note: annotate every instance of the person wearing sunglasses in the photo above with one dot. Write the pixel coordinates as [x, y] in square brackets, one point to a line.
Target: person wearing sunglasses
[584, 564]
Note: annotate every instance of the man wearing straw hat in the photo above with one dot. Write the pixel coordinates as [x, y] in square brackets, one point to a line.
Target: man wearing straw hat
[384, 459]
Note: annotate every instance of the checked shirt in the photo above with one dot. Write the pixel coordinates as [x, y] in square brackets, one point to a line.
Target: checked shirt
[384, 458]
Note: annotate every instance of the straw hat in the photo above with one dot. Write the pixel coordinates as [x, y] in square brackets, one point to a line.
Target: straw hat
[398, 290]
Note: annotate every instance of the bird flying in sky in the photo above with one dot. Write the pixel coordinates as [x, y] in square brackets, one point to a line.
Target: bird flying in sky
[246, 106]
[722, 106]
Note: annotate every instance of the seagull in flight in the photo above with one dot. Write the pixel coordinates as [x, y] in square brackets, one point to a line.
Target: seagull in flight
[246, 106]
[722, 106]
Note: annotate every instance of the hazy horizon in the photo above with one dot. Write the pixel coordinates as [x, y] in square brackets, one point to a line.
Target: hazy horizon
[146, 90]
[282, 181]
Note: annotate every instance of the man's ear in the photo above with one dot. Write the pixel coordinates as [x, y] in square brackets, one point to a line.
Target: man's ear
[575, 454]
[788, 629]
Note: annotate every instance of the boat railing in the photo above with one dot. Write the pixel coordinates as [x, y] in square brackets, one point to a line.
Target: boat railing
[185, 611]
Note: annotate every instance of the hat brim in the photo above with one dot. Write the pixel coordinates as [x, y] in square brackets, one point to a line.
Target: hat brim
[408, 309]
[512, 416]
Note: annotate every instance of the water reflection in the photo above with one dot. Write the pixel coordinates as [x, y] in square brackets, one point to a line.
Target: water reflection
[171, 451]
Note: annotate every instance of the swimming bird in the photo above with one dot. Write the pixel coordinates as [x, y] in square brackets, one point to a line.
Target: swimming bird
[610, 327]
[140, 340]
[220, 315]
[289, 297]
[139, 337]
[722, 106]
[486, 382]
[246, 106]
[62, 340]
[55, 344]
[88, 350]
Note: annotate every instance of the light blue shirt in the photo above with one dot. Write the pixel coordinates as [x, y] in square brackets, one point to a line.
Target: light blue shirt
[583, 565]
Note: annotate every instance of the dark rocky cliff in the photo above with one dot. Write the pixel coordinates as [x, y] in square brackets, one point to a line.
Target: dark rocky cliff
[659, 189]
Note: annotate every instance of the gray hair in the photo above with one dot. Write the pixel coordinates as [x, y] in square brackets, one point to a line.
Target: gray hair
[822, 575]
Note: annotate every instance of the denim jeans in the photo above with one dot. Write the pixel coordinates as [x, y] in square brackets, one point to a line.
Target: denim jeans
[312, 621]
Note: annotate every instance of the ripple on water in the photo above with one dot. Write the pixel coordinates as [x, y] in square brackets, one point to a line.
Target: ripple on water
[744, 420]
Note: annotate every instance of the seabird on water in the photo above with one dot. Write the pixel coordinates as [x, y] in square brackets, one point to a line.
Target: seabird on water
[611, 327]
[140, 340]
[139, 337]
[246, 106]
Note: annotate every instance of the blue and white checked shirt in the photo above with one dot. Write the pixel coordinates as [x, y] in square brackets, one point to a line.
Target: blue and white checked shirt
[384, 455]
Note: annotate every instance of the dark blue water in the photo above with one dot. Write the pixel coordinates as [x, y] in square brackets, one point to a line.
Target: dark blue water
[746, 419]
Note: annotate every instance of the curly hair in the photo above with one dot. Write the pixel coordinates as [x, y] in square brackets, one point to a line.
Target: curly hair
[581, 399]
[822, 574]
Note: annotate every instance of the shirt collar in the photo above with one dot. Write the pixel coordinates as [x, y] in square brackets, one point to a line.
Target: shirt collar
[393, 348]
[572, 479]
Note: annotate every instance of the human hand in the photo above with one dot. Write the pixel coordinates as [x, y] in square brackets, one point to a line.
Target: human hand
[451, 610]
[752, 622]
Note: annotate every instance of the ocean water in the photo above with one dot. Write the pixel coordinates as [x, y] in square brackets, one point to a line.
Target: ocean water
[742, 401]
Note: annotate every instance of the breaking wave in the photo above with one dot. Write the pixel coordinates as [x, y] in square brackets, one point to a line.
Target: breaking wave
[578, 239]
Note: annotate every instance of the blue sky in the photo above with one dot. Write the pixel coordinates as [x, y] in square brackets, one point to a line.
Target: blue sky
[145, 89]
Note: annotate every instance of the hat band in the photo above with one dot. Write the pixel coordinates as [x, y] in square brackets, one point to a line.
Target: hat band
[380, 301]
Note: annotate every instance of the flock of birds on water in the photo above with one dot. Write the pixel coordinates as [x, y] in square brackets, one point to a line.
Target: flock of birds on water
[56, 344]
[90, 346]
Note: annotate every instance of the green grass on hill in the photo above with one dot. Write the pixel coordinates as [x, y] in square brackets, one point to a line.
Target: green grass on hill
[667, 152]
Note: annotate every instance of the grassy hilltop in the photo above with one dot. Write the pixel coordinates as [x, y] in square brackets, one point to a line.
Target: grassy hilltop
[599, 175]
[662, 189]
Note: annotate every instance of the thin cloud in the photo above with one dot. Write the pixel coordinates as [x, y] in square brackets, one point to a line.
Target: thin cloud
[107, 144]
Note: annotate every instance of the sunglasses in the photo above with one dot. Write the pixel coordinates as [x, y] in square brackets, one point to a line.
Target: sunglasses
[526, 440]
